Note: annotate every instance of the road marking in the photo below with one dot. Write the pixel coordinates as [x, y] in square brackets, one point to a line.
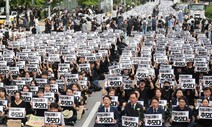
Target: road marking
[91, 114]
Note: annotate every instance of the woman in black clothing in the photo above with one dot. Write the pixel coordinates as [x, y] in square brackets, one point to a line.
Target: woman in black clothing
[29, 110]
[19, 103]
[202, 122]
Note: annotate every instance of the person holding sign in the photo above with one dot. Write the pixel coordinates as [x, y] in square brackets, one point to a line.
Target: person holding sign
[133, 108]
[207, 93]
[178, 93]
[70, 120]
[40, 112]
[107, 108]
[6, 105]
[181, 115]
[155, 109]
[203, 119]
[54, 108]
[145, 92]
[19, 103]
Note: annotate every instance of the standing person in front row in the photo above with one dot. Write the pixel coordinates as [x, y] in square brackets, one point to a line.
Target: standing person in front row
[108, 108]
[134, 109]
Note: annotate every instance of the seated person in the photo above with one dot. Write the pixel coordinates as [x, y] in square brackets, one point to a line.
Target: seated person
[54, 107]
[108, 108]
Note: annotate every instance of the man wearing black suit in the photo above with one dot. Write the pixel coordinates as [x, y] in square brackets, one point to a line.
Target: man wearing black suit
[134, 109]
[156, 109]
[108, 108]
[207, 93]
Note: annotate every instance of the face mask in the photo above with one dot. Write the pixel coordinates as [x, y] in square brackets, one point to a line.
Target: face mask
[166, 87]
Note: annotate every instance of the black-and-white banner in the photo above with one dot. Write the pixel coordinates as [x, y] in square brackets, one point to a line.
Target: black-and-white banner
[114, 81]
[188, 83]
[11, 89]
[105, 117]
[39, 103]
[49, 96]
[180, 116]
[128, 121]
[205, 112]
[77, 94]
[71, 78]
[53, 118]
[114, 100]
[66, 100]
[26, 96]
[16, 113]
[153, 119]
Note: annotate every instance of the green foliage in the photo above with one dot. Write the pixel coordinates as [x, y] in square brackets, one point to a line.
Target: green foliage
[88, 2]
[28, 3]
[208, 12]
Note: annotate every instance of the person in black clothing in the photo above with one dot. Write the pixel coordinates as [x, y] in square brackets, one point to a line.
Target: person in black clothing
[184, 25]
[191, 30]
[48, 26]
[145, 92]
[40, 94]
[167, 91]
[74, 108]
[29, 110]
[202, 122]
[182, 107]
[19, 103]
[34, 30]
[133, 108]
[94, 75]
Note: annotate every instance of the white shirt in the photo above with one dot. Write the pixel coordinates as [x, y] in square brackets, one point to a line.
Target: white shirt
[36, 22]
[107, 109]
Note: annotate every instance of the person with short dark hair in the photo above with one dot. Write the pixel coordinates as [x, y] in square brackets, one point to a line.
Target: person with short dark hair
[146, 93]
[182, 107]
[207, 93]
[40, 94]
[54, 107]
[108, 108]
[133, 108]
[156, 109]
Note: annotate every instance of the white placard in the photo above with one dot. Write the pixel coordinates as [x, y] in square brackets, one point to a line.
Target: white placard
[114, 100]
[84, 67]
[53, 118]
[39, 103]
[16, 113]
[49, 96]
[129, 121]
[66, 100]
[180, 116]
[26, 96]
[77, 94]
[127, 84]
[72, 78]
[11, 89]
[153, 119]
[205, 112]
[114, 81]
[105, 117]
[188, 83]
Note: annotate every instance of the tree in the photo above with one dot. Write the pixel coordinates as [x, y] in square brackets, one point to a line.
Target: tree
[28, 3]
[88, 2]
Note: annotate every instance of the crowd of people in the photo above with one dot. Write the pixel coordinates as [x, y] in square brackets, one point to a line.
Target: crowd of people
[157, 69]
